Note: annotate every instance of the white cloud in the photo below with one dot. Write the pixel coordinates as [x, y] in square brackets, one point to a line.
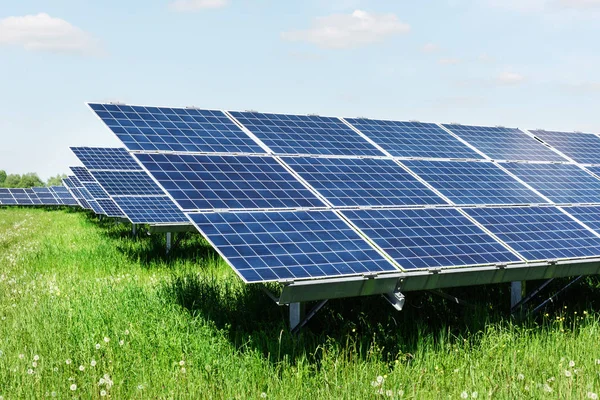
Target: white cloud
[42, 32]
[340, 31]
[448, 61]
[195, 5]
[430, 48]
[510, 78]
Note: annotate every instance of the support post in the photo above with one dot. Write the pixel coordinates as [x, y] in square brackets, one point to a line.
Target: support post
[296, 314]
[516, 293]
[169, 237]
[134, 229]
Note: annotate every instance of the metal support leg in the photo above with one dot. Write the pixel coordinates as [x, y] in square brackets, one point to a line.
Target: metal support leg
[516, 294]
[134, 229]
[169, 237]
[297, 312]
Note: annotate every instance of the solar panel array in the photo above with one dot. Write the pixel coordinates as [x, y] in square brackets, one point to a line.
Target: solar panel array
[41, 196]
[262, 187]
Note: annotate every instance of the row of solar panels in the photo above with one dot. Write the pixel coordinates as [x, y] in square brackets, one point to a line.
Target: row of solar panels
[211, 131]
[47, 196]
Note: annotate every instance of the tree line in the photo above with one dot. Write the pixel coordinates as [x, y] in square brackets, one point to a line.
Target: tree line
[28, 180]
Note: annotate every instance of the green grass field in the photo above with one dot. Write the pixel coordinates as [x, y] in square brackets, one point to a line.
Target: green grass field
[86, 311]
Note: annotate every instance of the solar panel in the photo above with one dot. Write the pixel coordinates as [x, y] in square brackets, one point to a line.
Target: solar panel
[207, 182]
[305, 134]
[504, 143]
[106, 158]
[539, 233]
[269, 246]
[363, 182]
[45, 195]
[473, 182]
[561, 183]
[33, 196]
[413, 139]
[110, 208]
[127, 183]
[582, 147]
[82, 174]
[96, 207]
[96, 191]
[175, 129]
[6, 197]
[589, 215]
[21, 197]
[63, 195]
[429, 238]
[151, 210]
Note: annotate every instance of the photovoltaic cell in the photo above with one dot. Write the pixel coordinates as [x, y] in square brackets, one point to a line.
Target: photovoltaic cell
[589, 215]
[207, 182]
[96, 207]
[64, 196]
[175, 129]
[363, 182]
[305, 134]
[561, 183]
[82, 174]
[151, 210]
[539, 233]
[96, 191]
[6, 197]
[269, 246]
[110, 208]
[46, 196]
[501, 143]
[21, 197]
[473, 182]
[584, 148]
[106, 158]
[127, 183]
[413, 139]
[430, 238]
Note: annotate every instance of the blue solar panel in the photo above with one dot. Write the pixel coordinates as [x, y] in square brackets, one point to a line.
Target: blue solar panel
[151, 210]
[63, 195]
[110, 208]
[175, 129]
[46, 196]
[206, 182]
[413, 139]
[589, 215]
[363, 182]
[561, 183]
[21, 197]
[96, 191]
[306, 134]
[473, 182]
[106, 158]
[269, 246]
[430, 238]
[539, 233]
[582, 147]
[127, 183]
[6, 197]
[82, 174]
[96, 207]
[504, 143]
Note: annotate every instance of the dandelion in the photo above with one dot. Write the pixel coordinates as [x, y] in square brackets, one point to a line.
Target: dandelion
[520, 377]
[551, 379]
[127, 331]
[73, 387]
[30, 371]
[400, 392]
[121, 342]
[464, 395]
[568, 373]
[389, 393]
[547, 388]
[101, 382]
[182, 363]
[597, 362]
[380, 379]
[183, 370]
[571, 363]
[21, 356]
[53, 394]
[81, 368]
[106, 339]
[103, 393]
[55, 369]
[474, 395]
[263, 395]
[68, 361]
[35, 358]
[140, 387]
[34, 364]
[97, 346]
[592, 395]
[93, 363]
[374, 384]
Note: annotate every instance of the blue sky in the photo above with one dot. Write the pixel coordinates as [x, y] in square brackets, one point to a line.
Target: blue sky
[519, 63]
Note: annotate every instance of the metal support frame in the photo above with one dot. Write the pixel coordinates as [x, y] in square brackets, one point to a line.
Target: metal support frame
[297, 315]
[516, 293]
[169, 236]
[133, 229]
[453, 299]
[530, 295]
[555, 295]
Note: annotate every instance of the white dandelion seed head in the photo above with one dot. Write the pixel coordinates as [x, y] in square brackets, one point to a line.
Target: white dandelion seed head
[121, 342]
[55, 369]
[380, 379]
[29, 371]
[97, 346]
[598, 362]
[464, 395]
[81, 367]
[53, 394]
[568, 373]
[103, 393]
[520, 377]
[374, 384]
[571, 363]
[389, 393]
[106, 339]
[263, 395]
[182, 363]
[93, 363]
[21, 356]
[127, 331]
[183, 370]
[35, 358]
[101, 382]
[73, 387]
[34, 364]
[551, 379]
[140, 387]
[400, 392]
[547, 388]
[474, 395]
[68, 361]
[592, 395]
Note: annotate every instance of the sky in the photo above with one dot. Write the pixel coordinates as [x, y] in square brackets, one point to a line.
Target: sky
[518, 63]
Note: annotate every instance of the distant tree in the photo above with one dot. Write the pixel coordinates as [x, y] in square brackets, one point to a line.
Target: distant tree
[30, 180]
[12, 180]
[56, 180]
[2, 177]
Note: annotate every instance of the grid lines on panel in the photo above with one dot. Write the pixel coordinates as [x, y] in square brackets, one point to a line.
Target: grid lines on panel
[413, 139]
[589, 215]
[127, 183]
[584, 148]
[473, 182]
[96, 207]
[6, 197]
[429, 238]
[21, 197]
[269, 246]
[110, 208]
[305, 134]
[561, 183]
[82, 174]
[501, 143]
[105, 158]
[63, 195]
[151, 210]
[363, 182]
[538, 233]
[45, 195]
[96, 190]
[175, 129]
[207, 182]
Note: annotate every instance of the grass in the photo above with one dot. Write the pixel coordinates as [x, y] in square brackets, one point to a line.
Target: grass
[87, 311]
